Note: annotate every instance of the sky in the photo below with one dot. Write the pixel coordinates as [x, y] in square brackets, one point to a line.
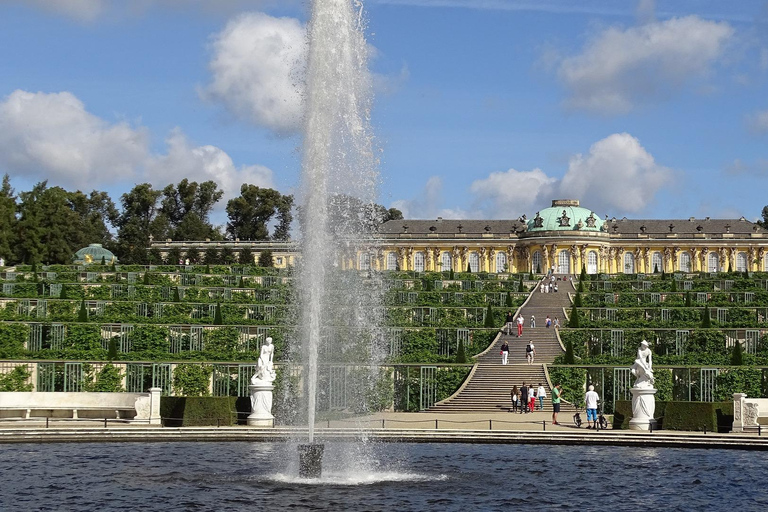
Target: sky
[483, 108]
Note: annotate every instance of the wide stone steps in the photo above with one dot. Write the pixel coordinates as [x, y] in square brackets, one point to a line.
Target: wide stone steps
[488, 389]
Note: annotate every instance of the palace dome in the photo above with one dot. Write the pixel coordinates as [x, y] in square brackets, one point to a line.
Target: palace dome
[565, 215]
[94, 253]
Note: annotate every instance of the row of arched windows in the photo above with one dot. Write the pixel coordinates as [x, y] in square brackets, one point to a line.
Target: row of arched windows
[563, 262]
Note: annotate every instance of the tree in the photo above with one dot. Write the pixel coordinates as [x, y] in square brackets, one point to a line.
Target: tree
[193, 255]
[96, 214]
[508, 301]
[227, 256]
[469, 268]
[583, 276]
[246, 256]
[577, 300]
[250, 213]
[138, 223]
[176, 295]
[688, 299]
[461, 354]
[217, 319]
[674, 285]
[569, 357]
[706, 321]
[187, 208]
[573, 321]
[82, 316]
[8, 221]
[265, 259]
[490, 321]
[737, 356]
[348, 214]
[212, 256]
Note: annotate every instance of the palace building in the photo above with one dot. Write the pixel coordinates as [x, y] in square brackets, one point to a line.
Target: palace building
[565, 236]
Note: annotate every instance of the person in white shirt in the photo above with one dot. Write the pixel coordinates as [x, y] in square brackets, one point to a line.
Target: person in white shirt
[541, 394]
[591, 399]
[520, 322]
[530, 351]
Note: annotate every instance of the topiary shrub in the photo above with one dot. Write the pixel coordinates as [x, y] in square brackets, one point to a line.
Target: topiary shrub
[461, 354]
[112, 349]
[490, 321]
[217, 319]
[82, 315]
[706, 321]
[573, 320]
[737, 356]
[568, 357]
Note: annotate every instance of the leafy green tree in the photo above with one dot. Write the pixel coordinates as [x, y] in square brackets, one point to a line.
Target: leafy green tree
[674, 285]
[8, 221]
[217, 319]
[108, 380]
[174, 256]
[252, 211]
[227, 256]
[16, 380]
[688, 302]
[138, 223]
[569, 357]
[97, 216]
[266, 259]
[508, 301]
[48, 228]
[188, 206]
[349, 214]
[191, 379]
[706, 321]
[212, 256]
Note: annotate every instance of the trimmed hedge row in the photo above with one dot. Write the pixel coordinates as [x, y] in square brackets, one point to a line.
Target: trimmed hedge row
[195, 411]
[692, 416]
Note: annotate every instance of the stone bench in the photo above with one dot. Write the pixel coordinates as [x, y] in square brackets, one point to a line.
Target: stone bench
[137, 407]
[749, 413]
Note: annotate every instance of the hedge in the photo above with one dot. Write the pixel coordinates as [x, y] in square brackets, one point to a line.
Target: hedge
[691, 416]
[195, 411]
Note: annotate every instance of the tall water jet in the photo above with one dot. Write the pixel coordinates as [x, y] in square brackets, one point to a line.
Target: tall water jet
[338, 311]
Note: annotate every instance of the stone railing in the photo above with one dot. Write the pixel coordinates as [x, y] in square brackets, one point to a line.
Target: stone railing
[137, 407]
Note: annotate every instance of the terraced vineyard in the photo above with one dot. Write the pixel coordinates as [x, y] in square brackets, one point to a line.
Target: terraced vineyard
[63, 325]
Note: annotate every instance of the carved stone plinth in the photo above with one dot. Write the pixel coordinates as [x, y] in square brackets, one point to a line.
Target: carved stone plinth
[643, 408]
[261, 405]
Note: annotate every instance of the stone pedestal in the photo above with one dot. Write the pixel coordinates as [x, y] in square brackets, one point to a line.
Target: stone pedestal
[643, 408]
[261, 405]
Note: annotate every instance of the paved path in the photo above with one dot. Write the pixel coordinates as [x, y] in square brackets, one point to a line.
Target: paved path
[490, 383]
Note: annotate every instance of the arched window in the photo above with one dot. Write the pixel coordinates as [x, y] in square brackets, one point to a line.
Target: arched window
[741, 262]
[536, 265]
[629, 263]
[392, 261]
[564, 262]
[501, 262]
[418, 262]
[657, 264]
[713, 262]
[474, 262]
[364, 261]
[447, 262]
[685, 262]
[592, 262]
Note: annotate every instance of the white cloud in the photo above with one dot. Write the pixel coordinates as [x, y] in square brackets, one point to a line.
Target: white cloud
[510, 194]
[257, 68]
[52, 136]
[203, 163]
[738, 167]
[759, 121]
[620, 69]
[618, 174]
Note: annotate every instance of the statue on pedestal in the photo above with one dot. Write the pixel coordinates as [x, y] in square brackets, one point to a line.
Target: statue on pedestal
[643, 392]
[261, 388]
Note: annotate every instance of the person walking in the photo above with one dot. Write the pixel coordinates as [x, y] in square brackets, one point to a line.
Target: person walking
[514, 395]
[520, 322]
[590, 399]
[541, 394]
[523, 398]
[556, 323]
[531, 399]
[556, 392]
[508, 323]
[533, 321]
[548, 322]
[530, 352]
[504, 352]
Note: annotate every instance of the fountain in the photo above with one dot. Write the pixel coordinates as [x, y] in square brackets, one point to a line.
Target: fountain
[339, 185]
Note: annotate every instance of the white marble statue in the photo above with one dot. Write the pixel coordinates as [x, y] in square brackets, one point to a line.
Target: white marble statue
[261, 388]
[265, 370]
[643, 392]
[642, 368]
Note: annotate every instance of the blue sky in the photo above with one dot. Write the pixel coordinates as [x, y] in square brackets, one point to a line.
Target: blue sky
[484, 108]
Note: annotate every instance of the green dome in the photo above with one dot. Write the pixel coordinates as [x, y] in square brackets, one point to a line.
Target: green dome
[94, 254]
[565, 215]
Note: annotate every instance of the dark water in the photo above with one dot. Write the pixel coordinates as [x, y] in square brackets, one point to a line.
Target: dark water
[259, 476]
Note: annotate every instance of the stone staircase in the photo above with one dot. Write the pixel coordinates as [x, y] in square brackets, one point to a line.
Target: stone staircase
[490, 382]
